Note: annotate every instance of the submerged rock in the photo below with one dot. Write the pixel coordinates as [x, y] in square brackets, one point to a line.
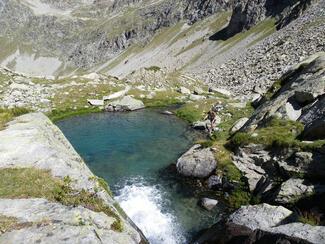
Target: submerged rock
[208, 203]
[197, 162]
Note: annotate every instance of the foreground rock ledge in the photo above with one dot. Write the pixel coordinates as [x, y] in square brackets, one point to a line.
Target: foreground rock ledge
[32, 140]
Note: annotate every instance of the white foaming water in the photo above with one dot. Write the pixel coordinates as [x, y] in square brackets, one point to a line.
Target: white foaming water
[143, 205]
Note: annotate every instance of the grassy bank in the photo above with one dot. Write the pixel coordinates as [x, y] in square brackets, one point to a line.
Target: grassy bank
[35, 183]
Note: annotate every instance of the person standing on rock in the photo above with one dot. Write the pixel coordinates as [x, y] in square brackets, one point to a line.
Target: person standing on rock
[211, 116]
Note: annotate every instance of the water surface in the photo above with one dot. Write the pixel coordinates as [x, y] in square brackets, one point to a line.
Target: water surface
[131, 151]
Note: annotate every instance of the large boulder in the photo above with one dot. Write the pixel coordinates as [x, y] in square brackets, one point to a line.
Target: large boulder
[275, 220]
[127, 103]
[293, 190]
[197, 162]
[263, 216]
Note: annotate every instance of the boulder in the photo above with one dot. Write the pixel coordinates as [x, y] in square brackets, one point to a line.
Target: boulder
[293, 190]
[215, 182]
[194, 97]
[263, 216]
[312, 234]
[220, 90]
[311, 164]
[305, 97]
[127, 103]
[208, 203]
[314, 130]
[238, 124]
[198, 91]
[95, 102]
[197, 162]
[275, 220]
[184, 90]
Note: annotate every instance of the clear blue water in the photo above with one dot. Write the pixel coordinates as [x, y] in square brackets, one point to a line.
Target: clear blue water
[131, 151]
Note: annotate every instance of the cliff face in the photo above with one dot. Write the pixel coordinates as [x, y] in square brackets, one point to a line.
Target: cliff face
[65, 200]
[246, 14]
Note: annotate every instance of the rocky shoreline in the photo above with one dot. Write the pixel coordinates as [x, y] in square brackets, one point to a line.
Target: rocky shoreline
[32, 142]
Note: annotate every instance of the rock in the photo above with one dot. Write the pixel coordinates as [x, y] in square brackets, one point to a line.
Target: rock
[92, 76]
[95, 102]
[220, 90]
[263, 216]
[292, 112]
[208, 203]
[197, 162]
[250, 160]
[166, 112]
[127, 103]
[196, 97]
[305, 97]
[293, 190]
[312, 234]
[215, 182]
[117, 94]
[74, 225]
[314, 130]
[275, 220]
[32, 140]
[307, 76]
[309, 164]
[184, 90]
[200, 125]
[238, 124]
[198, 91]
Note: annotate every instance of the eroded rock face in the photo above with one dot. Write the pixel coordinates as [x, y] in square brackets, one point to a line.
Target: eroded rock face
[306, 76]
[197, 162]
[248, 13]
[31, 140]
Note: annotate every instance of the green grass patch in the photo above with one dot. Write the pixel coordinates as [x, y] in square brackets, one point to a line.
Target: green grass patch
[56, 115]
[309, 218]
[239, 198]
[8, 114]
[195, 111]
[153, 68]
[35, 183]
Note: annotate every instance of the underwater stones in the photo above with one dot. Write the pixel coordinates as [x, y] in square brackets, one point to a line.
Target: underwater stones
[196, 162]
[208, 203]
[126, 103]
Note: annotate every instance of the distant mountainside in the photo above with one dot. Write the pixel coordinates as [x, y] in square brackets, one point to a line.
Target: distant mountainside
[54, 38]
